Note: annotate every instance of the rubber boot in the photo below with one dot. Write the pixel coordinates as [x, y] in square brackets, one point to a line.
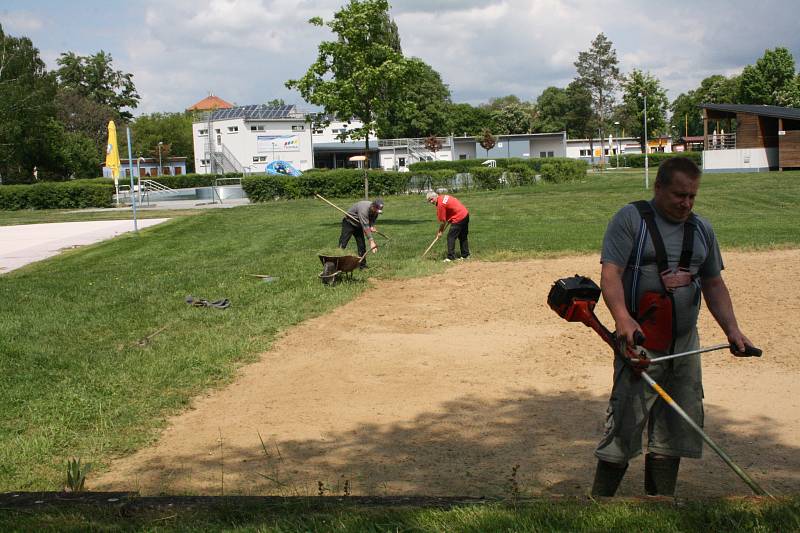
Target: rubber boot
[607, 478]
[660, 474]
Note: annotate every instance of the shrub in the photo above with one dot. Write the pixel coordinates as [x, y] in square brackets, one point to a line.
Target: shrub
[486, 177]
[57, 195]
[637, 160]
[562, 169]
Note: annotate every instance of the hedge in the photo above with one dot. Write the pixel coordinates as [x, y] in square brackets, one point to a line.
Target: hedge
[560, 170]
[637, 160]
[340, 182]
[466, 165]
[57, 195]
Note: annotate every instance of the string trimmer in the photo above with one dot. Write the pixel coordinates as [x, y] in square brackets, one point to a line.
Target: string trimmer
[574, 300]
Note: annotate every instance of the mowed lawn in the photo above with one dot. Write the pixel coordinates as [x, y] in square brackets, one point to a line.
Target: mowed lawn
[75, 380]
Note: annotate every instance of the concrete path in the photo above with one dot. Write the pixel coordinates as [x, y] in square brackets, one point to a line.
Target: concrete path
[20, 245]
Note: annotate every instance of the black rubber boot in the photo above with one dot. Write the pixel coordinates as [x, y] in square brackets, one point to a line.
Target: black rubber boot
[607, 478]
[660, 474]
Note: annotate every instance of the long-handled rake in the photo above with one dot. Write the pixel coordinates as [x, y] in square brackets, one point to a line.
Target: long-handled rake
[574, 299]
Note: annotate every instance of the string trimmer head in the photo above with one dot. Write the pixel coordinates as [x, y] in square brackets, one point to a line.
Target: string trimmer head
[573, 299]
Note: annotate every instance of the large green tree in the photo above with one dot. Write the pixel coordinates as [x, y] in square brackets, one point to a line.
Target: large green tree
[26, 108]
[173, 130]
[579, 119]
[552, 108]
[636, 86]
[81, 115]
[686, 113]
[94, 77]
[598, 72]
[421, 109]
[771, 80]
[467, 120]
[361, 73]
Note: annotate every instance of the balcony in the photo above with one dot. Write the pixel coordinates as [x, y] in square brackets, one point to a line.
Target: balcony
[721, 141]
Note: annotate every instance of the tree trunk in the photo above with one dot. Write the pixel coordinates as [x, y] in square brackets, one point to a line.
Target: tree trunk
[366, 166]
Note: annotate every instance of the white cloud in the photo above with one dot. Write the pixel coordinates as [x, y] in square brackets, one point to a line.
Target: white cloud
[20, 21]
[244, 50]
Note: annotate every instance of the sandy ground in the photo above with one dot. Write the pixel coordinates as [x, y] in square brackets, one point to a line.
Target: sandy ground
[441, 385]
[26, 243]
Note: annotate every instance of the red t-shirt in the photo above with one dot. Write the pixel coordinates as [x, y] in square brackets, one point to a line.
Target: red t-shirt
[449, 209]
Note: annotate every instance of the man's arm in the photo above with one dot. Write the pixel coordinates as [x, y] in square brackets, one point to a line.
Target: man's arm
[614, 296]
[719, 303]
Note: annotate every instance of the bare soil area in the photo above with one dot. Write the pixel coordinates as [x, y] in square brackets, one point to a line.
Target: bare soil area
[442, 385]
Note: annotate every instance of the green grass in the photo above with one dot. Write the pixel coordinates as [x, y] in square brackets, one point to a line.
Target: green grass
[75, 382]
[724, 516]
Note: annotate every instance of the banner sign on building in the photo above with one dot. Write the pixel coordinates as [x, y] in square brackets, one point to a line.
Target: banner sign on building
[279, 143]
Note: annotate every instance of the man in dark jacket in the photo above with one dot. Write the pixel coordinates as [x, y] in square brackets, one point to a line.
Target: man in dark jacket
[360, 223]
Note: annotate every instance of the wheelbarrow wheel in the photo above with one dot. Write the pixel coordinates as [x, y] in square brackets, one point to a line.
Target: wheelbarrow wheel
[328, 275]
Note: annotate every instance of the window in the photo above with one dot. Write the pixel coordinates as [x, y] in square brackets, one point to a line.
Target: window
[202, 132]
[545, 154]
[259, 158]
[203, 162]
[586, 153]
[233, 129]
[319, 132]
[257, 128]
[549, 154]
[462, 156]
[217, 131]
[401, 161]
[298, 128]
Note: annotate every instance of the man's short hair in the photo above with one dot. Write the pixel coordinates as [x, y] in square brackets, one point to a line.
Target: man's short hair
[669, 167]
[431, 196]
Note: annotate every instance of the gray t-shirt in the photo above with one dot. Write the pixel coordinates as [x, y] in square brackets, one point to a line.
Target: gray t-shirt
[619, 245]
[361, 211]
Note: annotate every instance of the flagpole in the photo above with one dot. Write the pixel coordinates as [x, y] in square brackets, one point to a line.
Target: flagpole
[130, 165]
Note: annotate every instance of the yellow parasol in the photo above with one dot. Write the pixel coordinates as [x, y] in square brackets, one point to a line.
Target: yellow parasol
[112, 152]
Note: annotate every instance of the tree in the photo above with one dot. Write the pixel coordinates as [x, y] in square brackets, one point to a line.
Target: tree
[276, 102]
[465, 119]
[579, 117]
[598, 72]
[433, 144]
[486, 140]
[635, 86]
[361, 74]
[26, 107]
[686, 114]
[82, 115]
[94, 77]
[174, 130]
[771, 80]
[552, 108]
[499, 102]
[421, 109]
[512, 118]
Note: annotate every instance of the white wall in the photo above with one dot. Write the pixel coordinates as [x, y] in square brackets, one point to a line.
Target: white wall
[244, 143]
[740, 159]
[331, 131]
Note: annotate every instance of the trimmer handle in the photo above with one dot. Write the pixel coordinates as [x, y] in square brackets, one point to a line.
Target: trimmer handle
[749, 351]
[639, 338]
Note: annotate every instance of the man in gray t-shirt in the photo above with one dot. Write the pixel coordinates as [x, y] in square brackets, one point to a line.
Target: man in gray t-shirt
[626, 250]
[360, 223]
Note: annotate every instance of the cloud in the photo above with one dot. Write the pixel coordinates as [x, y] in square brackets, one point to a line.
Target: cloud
[20, 21]
[244, 50]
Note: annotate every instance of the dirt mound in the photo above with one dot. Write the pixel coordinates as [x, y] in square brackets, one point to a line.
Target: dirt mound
[442, 385]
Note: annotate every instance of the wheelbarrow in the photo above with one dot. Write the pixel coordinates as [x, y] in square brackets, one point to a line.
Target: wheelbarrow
[334, 267]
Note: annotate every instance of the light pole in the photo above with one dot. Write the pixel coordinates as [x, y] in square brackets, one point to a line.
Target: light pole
[646, 150]
[159, 157]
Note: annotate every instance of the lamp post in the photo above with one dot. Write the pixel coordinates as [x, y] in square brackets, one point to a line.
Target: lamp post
[159, 157]
[646, 150]
[617, 133]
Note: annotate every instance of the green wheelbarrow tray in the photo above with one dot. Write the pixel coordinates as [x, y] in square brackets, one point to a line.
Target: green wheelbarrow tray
[334, 266]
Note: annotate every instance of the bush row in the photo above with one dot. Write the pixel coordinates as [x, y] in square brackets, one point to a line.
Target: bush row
[340, 182]
[465, 165]
[57, 195]
[637, 160]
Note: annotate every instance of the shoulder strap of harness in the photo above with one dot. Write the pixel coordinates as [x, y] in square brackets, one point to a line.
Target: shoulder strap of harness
[648, 225]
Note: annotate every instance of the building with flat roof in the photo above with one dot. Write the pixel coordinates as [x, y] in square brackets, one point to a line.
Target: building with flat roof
[759, 137]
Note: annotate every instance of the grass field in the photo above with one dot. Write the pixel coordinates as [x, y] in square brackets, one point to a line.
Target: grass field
[34, 216]
[76, 381]
[723, 516]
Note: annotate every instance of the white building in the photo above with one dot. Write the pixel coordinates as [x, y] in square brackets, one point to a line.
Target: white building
[396, 154]
[248, 138]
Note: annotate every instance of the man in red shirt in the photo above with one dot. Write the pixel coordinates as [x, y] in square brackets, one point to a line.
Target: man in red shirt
[449, 209]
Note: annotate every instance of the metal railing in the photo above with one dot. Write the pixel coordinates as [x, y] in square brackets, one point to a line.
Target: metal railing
[721, 141]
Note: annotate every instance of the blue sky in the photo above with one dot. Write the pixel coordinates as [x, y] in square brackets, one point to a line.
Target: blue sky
[244, 50]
